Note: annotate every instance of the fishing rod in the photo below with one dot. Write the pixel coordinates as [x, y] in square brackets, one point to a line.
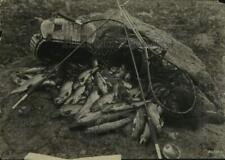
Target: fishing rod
[151, 126]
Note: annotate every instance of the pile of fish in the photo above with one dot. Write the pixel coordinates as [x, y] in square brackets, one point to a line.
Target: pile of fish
[98, 100]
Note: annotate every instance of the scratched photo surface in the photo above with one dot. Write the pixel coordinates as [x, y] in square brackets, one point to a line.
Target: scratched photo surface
[141, 79]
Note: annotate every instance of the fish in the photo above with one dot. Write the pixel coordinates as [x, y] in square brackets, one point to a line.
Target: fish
[65, 92]
[33, 70]
[84, 76]
[109, 117]
[112, 107]
[75, 97]
[85, 119]
[105, 99]
[153, 111]
[109, 126]
[36, 80]
[127, 84]
[70, 109]
[93, 97]
[101, 83]
[49, 83]
[138, 123]
[145, 136]
[134, 92]
[122, 106]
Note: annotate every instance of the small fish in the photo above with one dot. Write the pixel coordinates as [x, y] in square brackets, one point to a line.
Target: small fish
[33, 70]
[84, 76]
[127, 84]
[101, 83]
[145, 136]
[105, 99]
[106, 127]
[135, 92]
[49, 83]
[155, 116]
[75, 97]
[36, 80]
[94, 96]
[69, 109]
[65, 92]
[138, 123]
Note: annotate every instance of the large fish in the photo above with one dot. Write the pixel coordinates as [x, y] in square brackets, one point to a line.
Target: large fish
[75, 97]
[154, 112]
[86, 119]
[84, 76]
[105, 99]
[69, 109]
[106, 127]
[101, 83]
[93, 97]
[145, 136]
[122, 106]
[36, 80]
[138, 123]
[65, 92]
[109, 117]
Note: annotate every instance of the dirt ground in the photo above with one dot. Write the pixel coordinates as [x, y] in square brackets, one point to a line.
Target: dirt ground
[198, 24]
